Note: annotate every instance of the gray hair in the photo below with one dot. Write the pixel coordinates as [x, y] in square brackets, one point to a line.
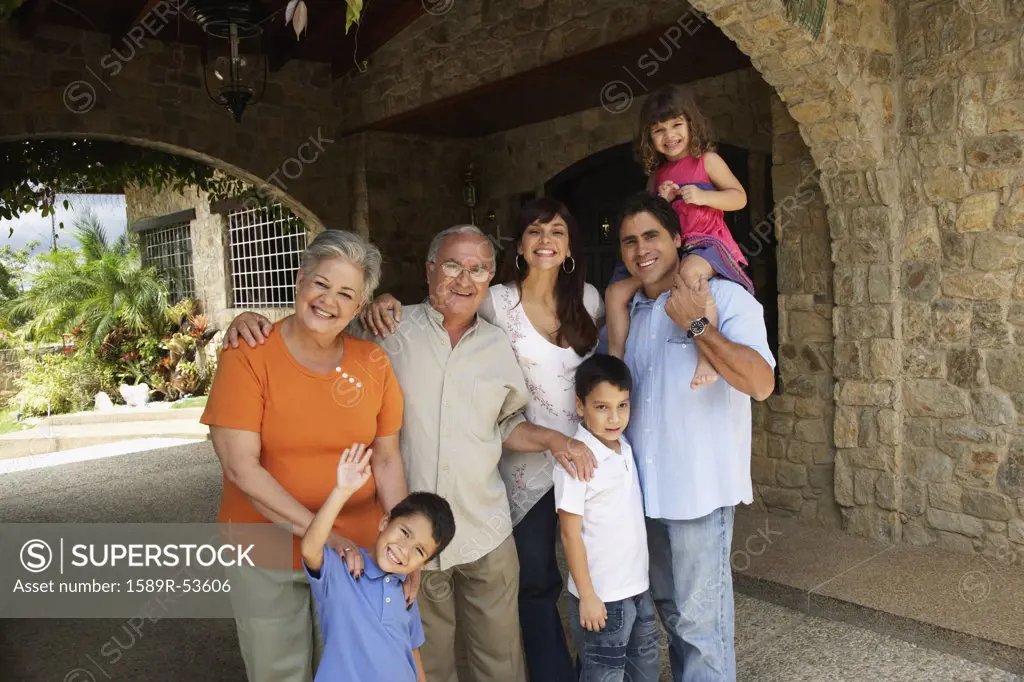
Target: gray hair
[435, 243]
[349, 246]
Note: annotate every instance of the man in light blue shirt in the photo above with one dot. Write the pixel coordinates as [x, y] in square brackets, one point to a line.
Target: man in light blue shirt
[692, 446]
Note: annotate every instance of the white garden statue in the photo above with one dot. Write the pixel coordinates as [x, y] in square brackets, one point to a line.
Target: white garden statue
[135, 396]
[103, 401]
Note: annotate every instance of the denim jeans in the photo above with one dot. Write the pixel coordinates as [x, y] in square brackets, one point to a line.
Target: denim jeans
[628, 649]
[540, 585]
[691, 584]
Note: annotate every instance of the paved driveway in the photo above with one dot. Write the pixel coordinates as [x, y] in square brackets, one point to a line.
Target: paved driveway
[182, 484]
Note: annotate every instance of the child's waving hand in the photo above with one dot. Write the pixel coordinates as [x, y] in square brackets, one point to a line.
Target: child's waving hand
[354, 468]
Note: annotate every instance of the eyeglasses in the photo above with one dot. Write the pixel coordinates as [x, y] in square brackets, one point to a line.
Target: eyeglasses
[454, 269]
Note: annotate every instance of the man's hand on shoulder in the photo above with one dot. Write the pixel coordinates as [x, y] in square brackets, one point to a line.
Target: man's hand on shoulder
[252, 327]
[381, 317]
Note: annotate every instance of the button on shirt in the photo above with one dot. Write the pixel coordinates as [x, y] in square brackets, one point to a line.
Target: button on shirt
[368, 632]
[692, 447]
[460, 405]
[614, 531]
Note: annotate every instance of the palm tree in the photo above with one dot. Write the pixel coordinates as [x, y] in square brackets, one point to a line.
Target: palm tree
[101, 286]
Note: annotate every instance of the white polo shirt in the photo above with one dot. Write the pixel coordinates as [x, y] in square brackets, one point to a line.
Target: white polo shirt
[612, 508]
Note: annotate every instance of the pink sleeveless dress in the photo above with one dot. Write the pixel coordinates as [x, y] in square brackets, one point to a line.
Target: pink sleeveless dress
[703, 228]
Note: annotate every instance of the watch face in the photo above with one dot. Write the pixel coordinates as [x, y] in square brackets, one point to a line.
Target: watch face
[697, 326]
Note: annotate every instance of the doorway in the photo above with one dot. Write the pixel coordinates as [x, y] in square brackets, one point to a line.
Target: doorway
[594, 189]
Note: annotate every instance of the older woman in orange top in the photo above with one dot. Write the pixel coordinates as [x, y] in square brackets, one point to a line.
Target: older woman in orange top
[281, 414]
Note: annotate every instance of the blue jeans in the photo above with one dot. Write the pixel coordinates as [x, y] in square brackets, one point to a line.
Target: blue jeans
[627, 649]
[691, 583]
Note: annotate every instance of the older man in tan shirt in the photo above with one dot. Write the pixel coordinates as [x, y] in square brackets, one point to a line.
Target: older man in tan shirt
[464, 399]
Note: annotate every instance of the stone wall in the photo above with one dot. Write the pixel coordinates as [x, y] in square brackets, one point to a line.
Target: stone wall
[412, 190]
[793, 453]
[962, 278]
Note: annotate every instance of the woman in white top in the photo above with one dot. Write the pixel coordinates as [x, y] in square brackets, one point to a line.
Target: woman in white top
[552, 317]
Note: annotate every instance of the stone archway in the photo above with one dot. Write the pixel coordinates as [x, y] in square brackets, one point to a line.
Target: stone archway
[267, 189]
[57, 85]
[837, 88]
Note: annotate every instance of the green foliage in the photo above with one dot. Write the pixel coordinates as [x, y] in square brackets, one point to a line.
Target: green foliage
[352, 11]
[61, 382]
[94, 290]
[34, 172]
[13, 268]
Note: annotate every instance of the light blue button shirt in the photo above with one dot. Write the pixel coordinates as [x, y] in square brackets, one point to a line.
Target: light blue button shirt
[368, 632]
[692, 447]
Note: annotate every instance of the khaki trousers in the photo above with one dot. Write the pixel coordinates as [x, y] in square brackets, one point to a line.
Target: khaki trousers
[481, 598]
[287, 647]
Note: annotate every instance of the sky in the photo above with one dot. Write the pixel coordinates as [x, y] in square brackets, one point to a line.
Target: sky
[109, 208]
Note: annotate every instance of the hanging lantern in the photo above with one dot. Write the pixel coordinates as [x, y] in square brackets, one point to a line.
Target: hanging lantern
[234, 63]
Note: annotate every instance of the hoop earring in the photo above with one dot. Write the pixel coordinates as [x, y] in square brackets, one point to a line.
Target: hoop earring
[518, 256]
[572, 269]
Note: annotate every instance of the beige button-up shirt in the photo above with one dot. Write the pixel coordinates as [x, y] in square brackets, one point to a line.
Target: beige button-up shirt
[460, 405]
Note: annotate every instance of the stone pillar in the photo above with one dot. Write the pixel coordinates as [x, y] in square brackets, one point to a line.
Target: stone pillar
[210, 264]
[868, 426]
[792, 463]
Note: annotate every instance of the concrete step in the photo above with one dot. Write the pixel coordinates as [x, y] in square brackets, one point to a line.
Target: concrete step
[968, 606]
[158, 412]
[47, 438]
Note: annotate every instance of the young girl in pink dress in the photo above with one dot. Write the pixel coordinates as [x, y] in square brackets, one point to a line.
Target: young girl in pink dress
[676, 150]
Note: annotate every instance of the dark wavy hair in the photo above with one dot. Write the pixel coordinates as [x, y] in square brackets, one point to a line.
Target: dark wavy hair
[663, 105]
[576, 326]
[436, 510]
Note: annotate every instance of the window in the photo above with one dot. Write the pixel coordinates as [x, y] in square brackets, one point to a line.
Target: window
[266, 245]
[169, 249]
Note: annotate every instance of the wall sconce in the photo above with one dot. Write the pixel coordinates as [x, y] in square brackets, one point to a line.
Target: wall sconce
[470, 190]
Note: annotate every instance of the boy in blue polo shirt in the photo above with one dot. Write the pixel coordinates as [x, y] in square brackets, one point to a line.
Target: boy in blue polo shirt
[369, 634]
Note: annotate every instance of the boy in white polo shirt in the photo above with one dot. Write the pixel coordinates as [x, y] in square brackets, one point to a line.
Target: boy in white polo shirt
[605, 537]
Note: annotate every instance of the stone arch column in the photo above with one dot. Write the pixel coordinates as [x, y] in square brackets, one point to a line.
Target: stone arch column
[838, 88]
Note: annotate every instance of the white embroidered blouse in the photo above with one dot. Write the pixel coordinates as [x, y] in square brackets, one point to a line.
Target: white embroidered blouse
[549, 371]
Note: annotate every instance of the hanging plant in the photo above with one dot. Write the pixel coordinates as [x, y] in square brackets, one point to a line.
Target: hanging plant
[296, 15]
[33, 173]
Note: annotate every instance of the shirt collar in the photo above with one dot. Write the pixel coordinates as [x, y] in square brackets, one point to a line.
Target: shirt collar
[641, 299]
[438, 318]
[372, 571]
[600, 450]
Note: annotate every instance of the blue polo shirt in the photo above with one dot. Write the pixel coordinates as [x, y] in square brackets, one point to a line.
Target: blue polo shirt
[692, 446]
[369, 635]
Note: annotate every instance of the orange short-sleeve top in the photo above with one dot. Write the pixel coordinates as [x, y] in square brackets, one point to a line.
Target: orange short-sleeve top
[305, 420]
